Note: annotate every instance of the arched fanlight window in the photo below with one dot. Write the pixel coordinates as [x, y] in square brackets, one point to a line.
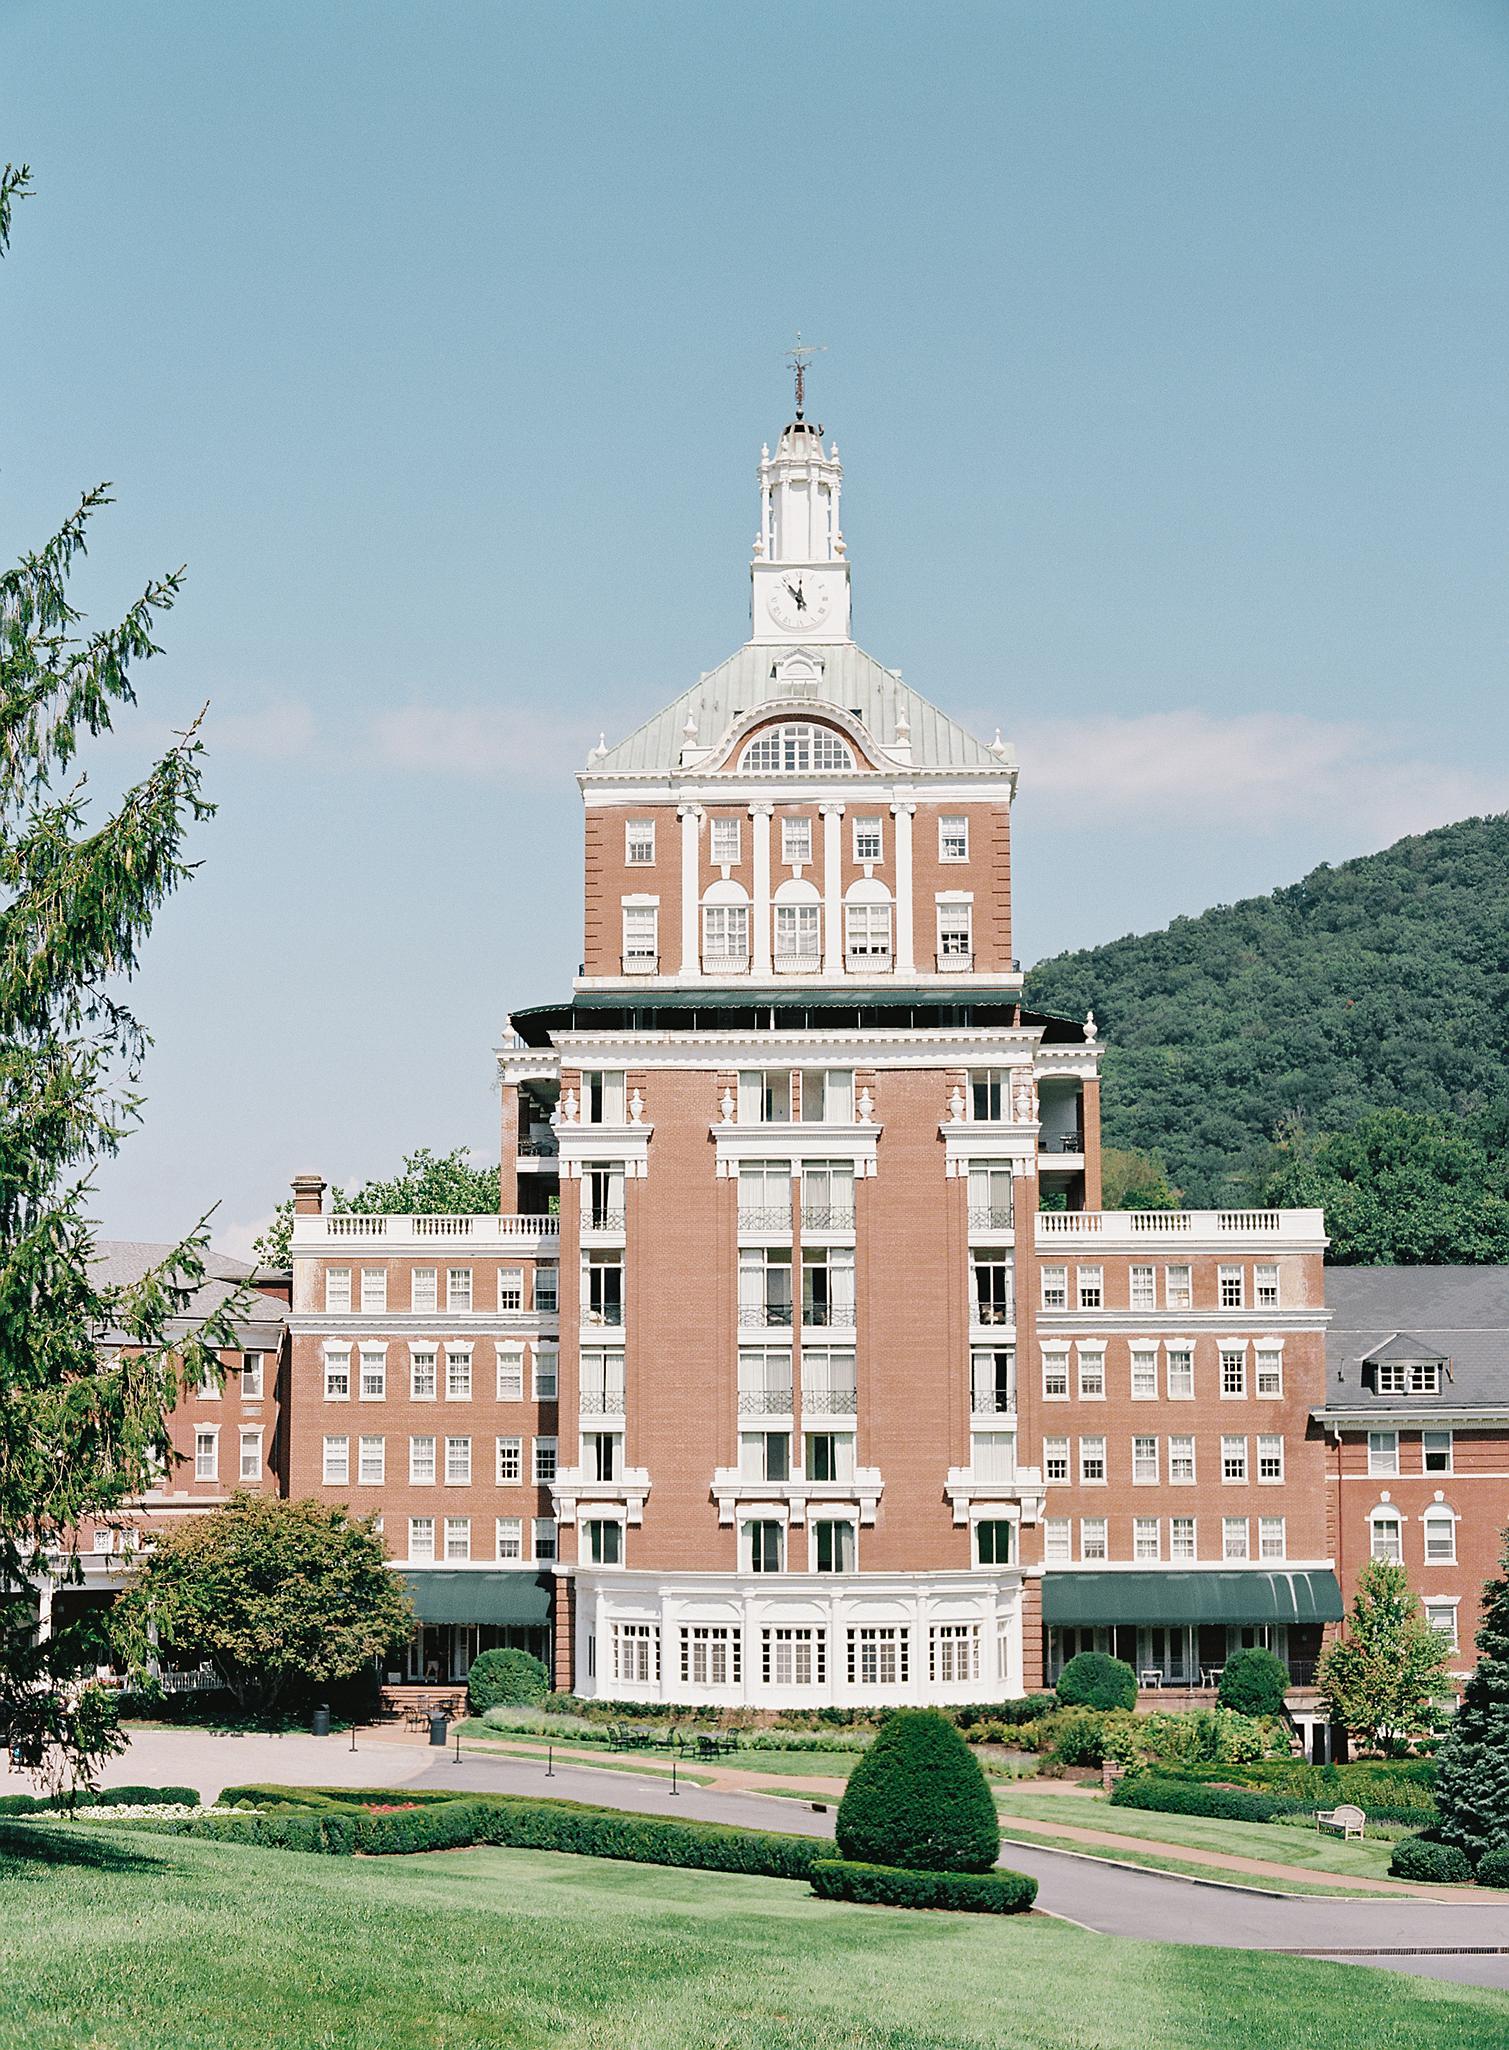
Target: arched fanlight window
[788, 750]
[867, 925]
[797, 911]
[725, 929]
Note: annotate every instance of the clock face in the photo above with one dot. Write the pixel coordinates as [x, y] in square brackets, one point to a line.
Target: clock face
[798, 599]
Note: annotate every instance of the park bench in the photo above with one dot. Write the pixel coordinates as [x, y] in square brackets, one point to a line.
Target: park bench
[1343, 1821]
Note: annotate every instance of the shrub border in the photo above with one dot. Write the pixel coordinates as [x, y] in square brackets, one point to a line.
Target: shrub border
[1001, 1892]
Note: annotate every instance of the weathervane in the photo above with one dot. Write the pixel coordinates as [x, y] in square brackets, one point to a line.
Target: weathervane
[799, 358]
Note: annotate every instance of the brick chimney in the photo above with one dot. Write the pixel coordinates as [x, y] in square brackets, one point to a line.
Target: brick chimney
[308, 1195]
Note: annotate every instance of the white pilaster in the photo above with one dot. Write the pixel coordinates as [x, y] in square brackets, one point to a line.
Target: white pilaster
[690, 816]
[760, 815]
[833, 904]
[902, 814]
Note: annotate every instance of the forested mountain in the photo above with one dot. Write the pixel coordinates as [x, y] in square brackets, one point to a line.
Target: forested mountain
[1380, 984]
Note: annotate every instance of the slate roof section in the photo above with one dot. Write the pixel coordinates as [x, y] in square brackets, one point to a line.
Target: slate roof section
[852, 680]
[1459, 1314]
[261, 1329]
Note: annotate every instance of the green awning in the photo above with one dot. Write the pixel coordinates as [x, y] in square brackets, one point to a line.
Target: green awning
[1195, 1597]
[451, 1597]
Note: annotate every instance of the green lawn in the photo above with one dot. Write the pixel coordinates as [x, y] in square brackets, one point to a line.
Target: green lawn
[1306, 1849]
[122, 1941]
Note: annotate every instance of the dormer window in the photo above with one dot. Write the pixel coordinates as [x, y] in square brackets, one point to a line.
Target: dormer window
[791, 750]
[1400, 1374]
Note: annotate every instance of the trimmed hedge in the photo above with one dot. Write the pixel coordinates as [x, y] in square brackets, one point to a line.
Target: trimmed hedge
[1092, 1679]
[505, 1679]
[1170, 1796]
[1407, 1784]
[897, 1886]
[1493, 1867]
[1422, 1859]
[919, 1798]
[1254, 1682]
[99, 1797]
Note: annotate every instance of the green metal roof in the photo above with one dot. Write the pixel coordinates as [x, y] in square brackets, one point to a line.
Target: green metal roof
[1078, 1598]
[504, 1597]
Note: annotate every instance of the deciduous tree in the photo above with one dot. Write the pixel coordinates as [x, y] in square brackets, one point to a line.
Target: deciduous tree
[436, 1184]
[1385, 1677]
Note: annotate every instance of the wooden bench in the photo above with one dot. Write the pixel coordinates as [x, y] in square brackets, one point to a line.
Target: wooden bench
[1344, 1821]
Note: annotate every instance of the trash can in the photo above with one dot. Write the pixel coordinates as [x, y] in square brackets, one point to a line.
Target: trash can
[438, 1727]
[319, 1722]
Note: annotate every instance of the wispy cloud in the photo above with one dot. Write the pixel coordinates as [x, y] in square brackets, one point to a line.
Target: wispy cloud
[280, 732]
[1251, 770]
[507, 745]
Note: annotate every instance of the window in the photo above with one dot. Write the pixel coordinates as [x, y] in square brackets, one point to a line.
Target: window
[1092, 1461]
[1387, 1536]
[639, 843]
[833, 1546]
[994, 1286]
[953, 837]
[824, 1460]
[421, 1537]
[1145, 1461]
[544, 1459]
[726, 837]
[337, 1288]
[956, 940]
[1440, 1538]
[1265, 1285]
[636, 1653]
[458, 1373]
[458, 1462]
[252, 1376]
[1058, 1541]
[1090, 1283]
[953, 1652]
[104, 1541]
[1181, 1538]
[796, 840]
[605, 1541]
[458, 1288]
[1388, 1377]
[374, 1288]
[337, 1373]
[1233, 1537]
[867, 933]
[796, 934]
[250, 1468]
[371, 1461]
[867, 839]
[711, 1655]
[1270, 1458]
[1233, 1371]
[878, 1656]
[1092, 1537]
[1383, 1454]
[544, 1538]
[1231, 1293]
[1055, 1459]
[603, 1288]
[1092, 1374]
[422, 1373]
[794, 749]
[510, 1288]
[1144, 1373]
[1145, 1538]
[1442, 1616]
[422, 1289]
[1178, 1293]
[421, 1461]
[1143, 1283]
[458, 1537]
[1270, 1371]
[725, 932]
[546, 1373]
[765, 1455]
[1435, 1451]
[510, 1373]
[1056, 1375]
[374, 1373]
[1181, 1373]
[1271, 1541]
[337, 1467]
[764, 1547]
[1425, 1377]
[603, 1096]
[995, 1543]
[209, 1388]
[827, 1096]
[1181, 1461]
[641, 938]
[765, 1096]
[794, 1657]
[1233, 1459]
[1055, 1288]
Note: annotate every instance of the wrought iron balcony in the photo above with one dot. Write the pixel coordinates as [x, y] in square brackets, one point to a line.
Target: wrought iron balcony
[818, 1402]
[995, 1312]
[987, 1401]
[990, 1217]
[765, 1401]
[763, 1315]
[765, 1217]
[603, 1219]
[603, 1313]
[834, 1316]
[828, 1217]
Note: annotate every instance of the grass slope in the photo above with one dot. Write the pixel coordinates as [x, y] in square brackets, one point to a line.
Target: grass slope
[172, 1944]
[1373, 985]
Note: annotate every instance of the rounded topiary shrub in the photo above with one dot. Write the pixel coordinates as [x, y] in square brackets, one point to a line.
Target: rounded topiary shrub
[1493, 1866]
[1422, 1859]
[1093, 1680]
[502, 1679]
[1254, 1683]
[919, 1799]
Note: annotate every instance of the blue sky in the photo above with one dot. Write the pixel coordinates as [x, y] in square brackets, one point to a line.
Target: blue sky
[1165, 354]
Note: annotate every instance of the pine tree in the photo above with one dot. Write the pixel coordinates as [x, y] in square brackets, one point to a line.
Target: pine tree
[1472, 1780]
[1383, 1679]
[79, 1433]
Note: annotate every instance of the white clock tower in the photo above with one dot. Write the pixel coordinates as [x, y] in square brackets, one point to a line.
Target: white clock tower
[799, 577]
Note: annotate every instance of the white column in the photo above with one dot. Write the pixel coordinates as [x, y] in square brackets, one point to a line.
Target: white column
[902, 814]
[760, 828]
[690, 816]
[833, 906]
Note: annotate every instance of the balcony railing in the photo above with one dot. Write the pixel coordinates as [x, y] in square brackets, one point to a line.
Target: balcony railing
[993, 1402]
[641, 964]
[1129, 1225]
[995, 1312]
[829, 1401]
[955, 964]
[1062, 1142]
[603, 1313]
[539, 1149]
[602, 1402]
[828, 1217]
[798, 964]
[725, 964]
[990, 1216]
[482, 1228]
[868, 960]
[758, 1316]
[605, 1219]
[765, 1217]
[831, 1316]
[765, 1401]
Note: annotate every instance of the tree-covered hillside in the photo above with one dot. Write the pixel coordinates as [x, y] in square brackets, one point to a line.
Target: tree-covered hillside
[1380, 984]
